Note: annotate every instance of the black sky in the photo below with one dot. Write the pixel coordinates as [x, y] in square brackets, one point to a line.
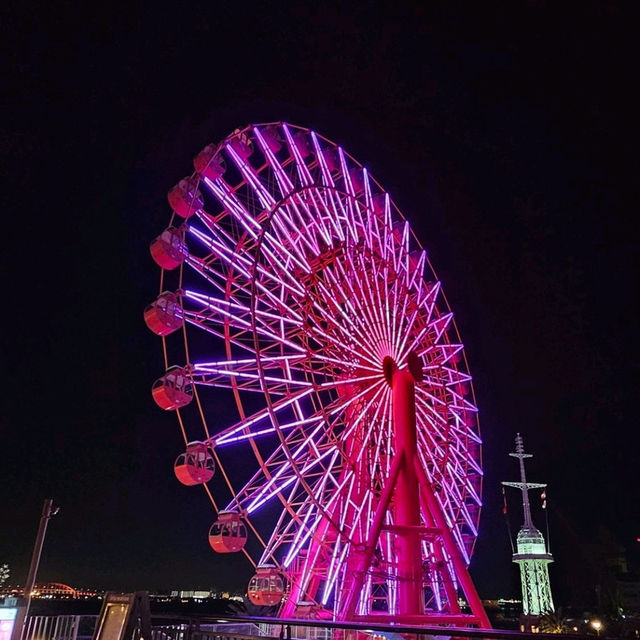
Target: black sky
[505, 132]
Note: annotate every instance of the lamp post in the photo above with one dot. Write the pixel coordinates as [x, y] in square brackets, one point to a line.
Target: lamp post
[597, 625]
[48, 510]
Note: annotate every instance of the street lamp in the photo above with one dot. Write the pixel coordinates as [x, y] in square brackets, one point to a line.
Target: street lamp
[48, 510]
[597, 625]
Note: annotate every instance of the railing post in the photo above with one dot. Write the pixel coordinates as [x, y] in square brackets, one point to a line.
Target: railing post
[75, 627]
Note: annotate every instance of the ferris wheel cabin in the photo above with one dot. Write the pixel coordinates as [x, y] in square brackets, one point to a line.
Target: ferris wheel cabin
[228, 533]
[185, 198]
[195, 465]
[168, 250]
[164, 315]
[266, 588]
[173, 391]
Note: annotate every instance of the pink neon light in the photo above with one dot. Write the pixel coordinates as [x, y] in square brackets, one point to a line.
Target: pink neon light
[311, 289]
[303, 171]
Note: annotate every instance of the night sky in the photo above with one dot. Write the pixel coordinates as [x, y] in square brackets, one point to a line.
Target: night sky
[503, 131]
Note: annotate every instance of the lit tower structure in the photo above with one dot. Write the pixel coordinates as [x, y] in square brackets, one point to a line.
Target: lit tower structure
[531, 553]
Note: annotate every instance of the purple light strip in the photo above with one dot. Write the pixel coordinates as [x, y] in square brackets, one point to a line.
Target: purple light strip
[218, 305]
[474, 494]
[368, 303]
[264, 197]
[311, 529]
[381, 303]
[225, 195]
[340, 214]
[305, 469]
[455, 376]
[257, 481]
[326, 203]
[397, 318]
[333, 340]
[408, 331]
[403, 244]
[327, 179]
[378, 223]
[441, 325]
[416, 275]
[221, 251]
[303, 171]
[372, 232]
[387, 229]
[337, 561]
[219, 441]
[291, 238]
[431, 326]
[313, 212]
[261, 415]
[273, 248]
[435, 586]
[368, 199]
[465, 432]
[460, 499]
[359, 315]
[287, 466]
[344, 363]
[310, 563]
[348, 433]
[357, 320]
[296, 406]
[300, 539]
[429, 471]
[347, 180]
[432, 417]
[431, 298]
[353, 208]
[223, 192]
[239, 323]
[195, 320]
[460, 403]
[297, 215]
[375, 298]
[241, 264]
[213, 277]
[337, 407]
[253, 434]
[252, 376]
[369, 435]
[277, 360]
[284, 184]
[452, 573]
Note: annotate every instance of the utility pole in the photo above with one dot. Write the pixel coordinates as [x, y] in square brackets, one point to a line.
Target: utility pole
[48, 510]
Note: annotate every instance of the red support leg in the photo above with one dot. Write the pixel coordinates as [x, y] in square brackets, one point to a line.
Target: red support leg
[407, 496]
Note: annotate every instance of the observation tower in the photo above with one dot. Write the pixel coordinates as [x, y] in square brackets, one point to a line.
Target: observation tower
[532, 553]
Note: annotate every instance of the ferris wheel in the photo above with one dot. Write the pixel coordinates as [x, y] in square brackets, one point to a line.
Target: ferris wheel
[293, 288]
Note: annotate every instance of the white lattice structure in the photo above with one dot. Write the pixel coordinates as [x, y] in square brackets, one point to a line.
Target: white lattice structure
[532, 553]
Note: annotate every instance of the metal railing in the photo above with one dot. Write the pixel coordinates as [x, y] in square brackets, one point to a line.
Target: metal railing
[75, 627]
[81, 627]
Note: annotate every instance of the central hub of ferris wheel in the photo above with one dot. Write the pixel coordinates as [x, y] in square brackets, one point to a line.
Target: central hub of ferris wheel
[293, 288]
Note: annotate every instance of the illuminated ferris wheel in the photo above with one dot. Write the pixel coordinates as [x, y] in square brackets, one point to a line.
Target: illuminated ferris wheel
[291, 283]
